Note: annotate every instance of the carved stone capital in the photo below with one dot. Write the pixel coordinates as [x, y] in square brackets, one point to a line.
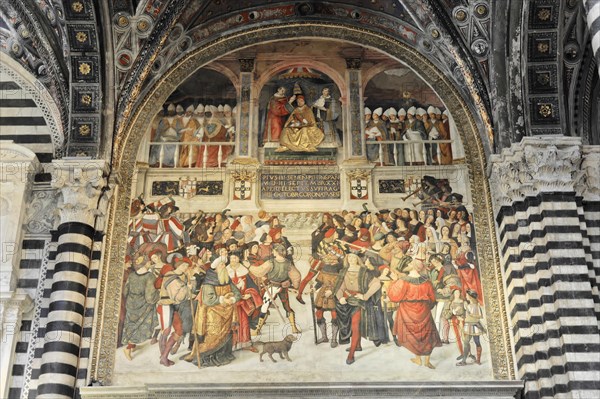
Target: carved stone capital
[588, 182]
[535, 165]
[12, 307]
[18, 164]
[80, 182]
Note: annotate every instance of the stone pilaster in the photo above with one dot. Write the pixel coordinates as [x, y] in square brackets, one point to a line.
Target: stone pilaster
[244, 147]
[18, 166]
[354, 138]
[550, 299]
[80, 183]
[12, 307]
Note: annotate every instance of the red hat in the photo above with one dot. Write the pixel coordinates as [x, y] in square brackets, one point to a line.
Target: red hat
[235, 224]
[156, 252]
[329, 233]
[274, 231]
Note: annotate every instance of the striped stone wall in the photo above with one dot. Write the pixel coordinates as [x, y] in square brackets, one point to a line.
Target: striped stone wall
[22, 121]
[550, 281]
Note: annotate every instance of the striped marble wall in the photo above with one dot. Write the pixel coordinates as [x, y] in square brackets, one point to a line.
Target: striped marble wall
[22, 121]
[547, 263]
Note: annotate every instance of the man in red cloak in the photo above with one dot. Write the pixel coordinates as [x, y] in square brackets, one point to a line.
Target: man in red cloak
[468, 273]
[250, 301]
[414, 326]
[278, 108]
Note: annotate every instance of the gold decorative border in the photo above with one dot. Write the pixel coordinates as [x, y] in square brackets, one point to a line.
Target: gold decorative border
[126, 147]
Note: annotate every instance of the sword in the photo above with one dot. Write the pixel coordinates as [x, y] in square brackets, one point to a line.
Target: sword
[312, 308]
[356, 246]
[385, 309]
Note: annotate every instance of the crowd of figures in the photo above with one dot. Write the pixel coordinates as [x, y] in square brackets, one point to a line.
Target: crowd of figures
[405, 276]
[421, 128]
[199, 129]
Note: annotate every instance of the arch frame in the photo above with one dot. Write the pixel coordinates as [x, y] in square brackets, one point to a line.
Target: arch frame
[125, 151]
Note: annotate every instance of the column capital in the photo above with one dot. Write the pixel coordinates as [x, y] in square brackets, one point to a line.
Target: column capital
[17, 163]
[246, 64]
[353, 63]
[535, 165]
[12, 307]
[80, 182]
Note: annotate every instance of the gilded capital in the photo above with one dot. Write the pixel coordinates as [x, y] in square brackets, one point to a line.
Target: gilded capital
[80, 183]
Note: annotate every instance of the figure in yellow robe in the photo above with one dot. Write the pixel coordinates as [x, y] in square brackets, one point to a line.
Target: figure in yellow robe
[214, 319]
[300, 132]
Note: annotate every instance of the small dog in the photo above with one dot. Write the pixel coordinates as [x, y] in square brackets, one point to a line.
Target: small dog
[281, 347]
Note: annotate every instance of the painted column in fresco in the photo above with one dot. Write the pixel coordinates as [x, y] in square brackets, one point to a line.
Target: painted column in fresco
[355, 120]
[80, 183]
[243, 147]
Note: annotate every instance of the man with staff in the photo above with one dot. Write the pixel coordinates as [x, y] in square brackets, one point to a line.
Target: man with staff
[326, 264]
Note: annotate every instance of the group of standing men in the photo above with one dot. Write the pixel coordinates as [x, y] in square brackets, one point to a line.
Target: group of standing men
[378, 275]
[414, 125]
[213, 279]
[192, 127]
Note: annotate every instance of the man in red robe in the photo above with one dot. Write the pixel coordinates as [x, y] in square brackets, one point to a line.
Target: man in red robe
[414, 326]
[468, 273]
[278, 108]
[250, 301]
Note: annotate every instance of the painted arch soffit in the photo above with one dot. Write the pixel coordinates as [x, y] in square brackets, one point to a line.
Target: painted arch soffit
[126, 149]
[185, 34]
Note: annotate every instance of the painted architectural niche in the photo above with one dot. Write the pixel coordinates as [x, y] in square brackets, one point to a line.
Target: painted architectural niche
[303, 214]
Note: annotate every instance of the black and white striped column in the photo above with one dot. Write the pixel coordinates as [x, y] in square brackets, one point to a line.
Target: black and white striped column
[592, 9]
[550, 296]
[80, 182]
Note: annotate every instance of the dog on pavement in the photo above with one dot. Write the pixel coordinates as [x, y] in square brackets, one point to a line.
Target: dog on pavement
[281, 347]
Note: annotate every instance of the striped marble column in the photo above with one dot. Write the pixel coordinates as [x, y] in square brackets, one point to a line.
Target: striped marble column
[550, 296]
[80, 182]
[589, 188]
[592, 9]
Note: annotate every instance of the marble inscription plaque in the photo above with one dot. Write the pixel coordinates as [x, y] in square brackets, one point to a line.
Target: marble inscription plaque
[300, 186]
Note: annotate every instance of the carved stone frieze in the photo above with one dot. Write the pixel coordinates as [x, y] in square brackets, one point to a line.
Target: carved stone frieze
[41, 214]
[80, 184]
[535, 165]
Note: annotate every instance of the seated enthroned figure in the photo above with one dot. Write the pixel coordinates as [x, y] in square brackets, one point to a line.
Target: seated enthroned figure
[300, 132]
